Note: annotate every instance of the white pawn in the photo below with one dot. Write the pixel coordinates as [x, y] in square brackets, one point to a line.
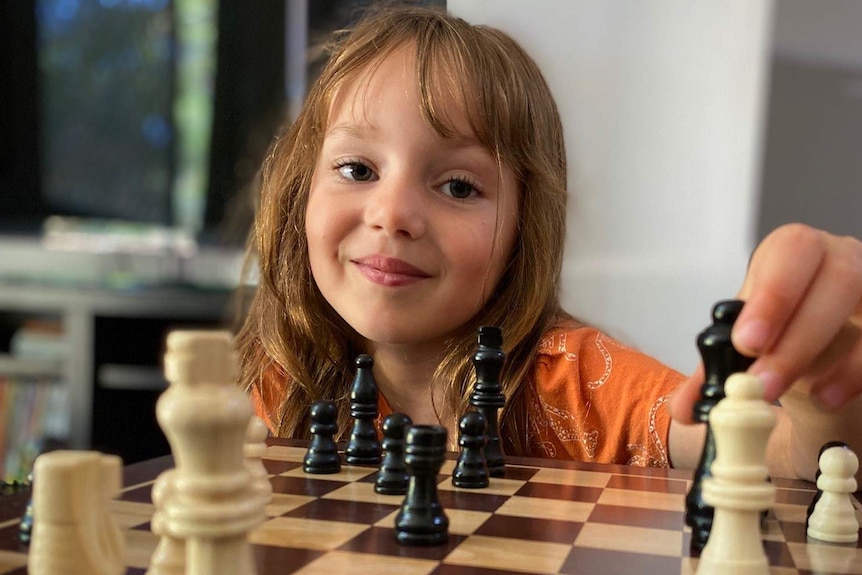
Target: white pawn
[738, 489]
[73, 530]
[834, 518]
[212, 504]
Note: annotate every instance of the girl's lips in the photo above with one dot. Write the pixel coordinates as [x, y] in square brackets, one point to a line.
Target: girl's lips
[388, 271]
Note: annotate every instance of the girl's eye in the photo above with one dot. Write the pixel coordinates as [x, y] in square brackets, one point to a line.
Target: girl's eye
[459, 189]
[356, 171]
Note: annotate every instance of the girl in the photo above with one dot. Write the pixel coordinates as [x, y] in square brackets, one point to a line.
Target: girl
[420, 194]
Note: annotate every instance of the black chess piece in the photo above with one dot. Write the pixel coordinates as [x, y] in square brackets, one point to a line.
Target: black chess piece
[819, 493]
[471, 470]
[421, 519]
[392, 478]
[363, 446]
[25, 529]
[322, 456]
[720, 360]
[487, 396]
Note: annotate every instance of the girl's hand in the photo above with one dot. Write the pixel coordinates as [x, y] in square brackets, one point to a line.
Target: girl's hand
[802, 318]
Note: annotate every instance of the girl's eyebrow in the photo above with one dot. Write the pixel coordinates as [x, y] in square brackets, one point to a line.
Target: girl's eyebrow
[367, 131]
[352, 129]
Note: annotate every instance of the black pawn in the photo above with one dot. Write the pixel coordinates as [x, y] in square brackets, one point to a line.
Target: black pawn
[720, 361]
[421, 520]
[487, 396]
[363, 446]
[25, 529]
[819, 493]
[471, 471]
[322, 456]
[392, 478]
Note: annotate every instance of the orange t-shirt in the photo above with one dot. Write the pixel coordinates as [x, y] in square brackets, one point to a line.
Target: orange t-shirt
[591, 399]
[595, 399]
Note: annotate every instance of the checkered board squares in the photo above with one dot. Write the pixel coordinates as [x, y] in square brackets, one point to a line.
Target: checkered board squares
[542, 517]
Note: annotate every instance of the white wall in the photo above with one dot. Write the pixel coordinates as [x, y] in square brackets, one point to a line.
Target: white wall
[662, 107]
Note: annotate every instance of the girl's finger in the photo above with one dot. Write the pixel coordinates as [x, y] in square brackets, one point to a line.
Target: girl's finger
[779, 276]
[829, 302]
[681, 405]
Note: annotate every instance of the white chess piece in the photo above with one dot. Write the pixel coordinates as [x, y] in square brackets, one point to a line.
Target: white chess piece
[73, 530]
[834, 518]
[204, 415]
[738, 489]
[169, 557]
[254, 450]
[114, 540]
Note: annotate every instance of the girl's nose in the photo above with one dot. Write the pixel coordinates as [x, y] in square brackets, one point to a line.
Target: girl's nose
[397, 208]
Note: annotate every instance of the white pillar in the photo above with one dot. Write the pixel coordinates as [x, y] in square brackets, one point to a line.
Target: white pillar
[662, 106]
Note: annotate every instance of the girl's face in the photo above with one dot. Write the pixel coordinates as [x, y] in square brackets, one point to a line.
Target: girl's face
[408, 232]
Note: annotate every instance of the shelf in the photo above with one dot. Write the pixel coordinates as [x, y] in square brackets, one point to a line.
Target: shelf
[109, 363]
[49, 368]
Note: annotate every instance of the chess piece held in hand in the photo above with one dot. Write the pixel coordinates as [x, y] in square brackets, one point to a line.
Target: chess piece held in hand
[720, 360]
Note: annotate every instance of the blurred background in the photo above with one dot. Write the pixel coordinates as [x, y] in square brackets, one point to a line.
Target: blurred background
[131, 132]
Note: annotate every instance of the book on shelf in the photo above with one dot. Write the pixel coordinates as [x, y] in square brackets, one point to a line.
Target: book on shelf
[34, 412]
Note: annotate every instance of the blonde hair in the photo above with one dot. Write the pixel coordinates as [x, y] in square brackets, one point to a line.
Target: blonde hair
[292, 334]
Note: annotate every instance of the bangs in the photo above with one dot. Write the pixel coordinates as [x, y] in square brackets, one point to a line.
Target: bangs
[445, 77]
[455, 64]
[473, 71]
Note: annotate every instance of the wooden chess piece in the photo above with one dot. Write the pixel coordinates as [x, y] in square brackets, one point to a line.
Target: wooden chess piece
[73, 530]
[739, 488]
[421, 519]
[471, 470]
[363, 447]
[25, 528]
[720, 360]
[204, 416]
[833, 518]
[487, 396]
[322, 455]
[169, 556]
[254, 450]
[392, 478]
[113, 538]
[819, 493]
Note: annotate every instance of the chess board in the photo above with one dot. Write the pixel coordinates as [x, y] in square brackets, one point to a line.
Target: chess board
[542, 517]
